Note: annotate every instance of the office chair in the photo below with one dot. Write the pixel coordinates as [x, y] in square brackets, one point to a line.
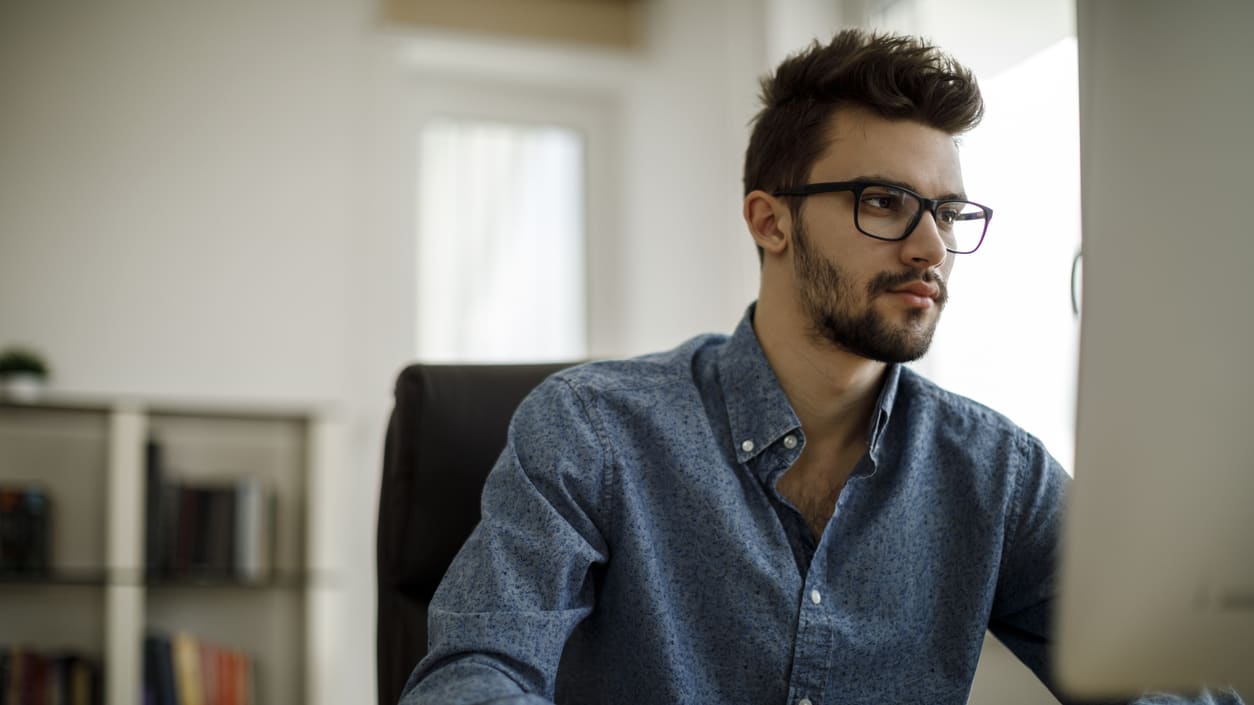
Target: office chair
[447, 428]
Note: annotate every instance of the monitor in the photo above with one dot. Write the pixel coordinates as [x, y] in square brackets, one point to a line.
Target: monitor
[1157, 569]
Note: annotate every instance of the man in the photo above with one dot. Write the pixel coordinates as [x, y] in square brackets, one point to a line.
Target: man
[785, 515]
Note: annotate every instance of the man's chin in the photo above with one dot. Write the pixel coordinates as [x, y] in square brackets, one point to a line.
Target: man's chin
[900, 351]
[909, 341]
[877, 342]
[916, 343]
[910, 354]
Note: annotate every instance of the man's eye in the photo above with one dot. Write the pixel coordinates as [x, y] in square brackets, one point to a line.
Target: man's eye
[887, 201]
[948, 215]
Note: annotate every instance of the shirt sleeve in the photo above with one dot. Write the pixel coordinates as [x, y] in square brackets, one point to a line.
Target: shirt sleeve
[1023, 606]
[525, 577]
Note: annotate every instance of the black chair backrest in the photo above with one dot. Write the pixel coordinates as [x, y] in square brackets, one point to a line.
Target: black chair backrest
[447, 428]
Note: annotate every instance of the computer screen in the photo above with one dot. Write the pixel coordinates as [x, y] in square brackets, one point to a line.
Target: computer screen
[1157, 574]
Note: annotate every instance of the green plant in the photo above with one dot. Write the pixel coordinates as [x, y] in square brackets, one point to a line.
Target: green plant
[20, 360]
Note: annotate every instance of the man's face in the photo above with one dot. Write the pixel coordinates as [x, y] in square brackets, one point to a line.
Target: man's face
[879, 300]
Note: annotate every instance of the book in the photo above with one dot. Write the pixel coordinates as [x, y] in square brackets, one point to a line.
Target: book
[245, 681]
[225, 671]
[220, 530]
[253, 531]
[168, 522]
[25, 531]
[159, 670]
[38, 684]
[38, 516]
[207, 531]
[18, 676]
[190, 685]
[154, 525]
[28, 676]
[196, 672]
[59, 682]
[4, 677]
[149, 683]
[209, 673]
[10, 532]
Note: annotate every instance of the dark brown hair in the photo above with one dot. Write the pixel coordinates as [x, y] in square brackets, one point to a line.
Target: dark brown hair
[893, 76]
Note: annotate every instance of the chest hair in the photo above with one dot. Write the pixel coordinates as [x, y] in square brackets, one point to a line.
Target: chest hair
[813, 487]
[817, 509]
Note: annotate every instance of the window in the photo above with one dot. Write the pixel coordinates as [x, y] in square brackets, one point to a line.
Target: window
[501, 242]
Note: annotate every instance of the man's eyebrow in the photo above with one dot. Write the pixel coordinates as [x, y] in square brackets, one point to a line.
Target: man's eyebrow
[908, 186]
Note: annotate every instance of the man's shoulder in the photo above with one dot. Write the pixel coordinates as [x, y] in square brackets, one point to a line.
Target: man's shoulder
[970, 440]
[943, 406]
[639, 374]
[596, 397]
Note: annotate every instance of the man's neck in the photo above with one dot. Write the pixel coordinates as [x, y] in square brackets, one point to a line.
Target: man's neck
[832, 391]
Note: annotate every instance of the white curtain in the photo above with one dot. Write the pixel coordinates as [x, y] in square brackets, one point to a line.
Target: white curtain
[501, 267]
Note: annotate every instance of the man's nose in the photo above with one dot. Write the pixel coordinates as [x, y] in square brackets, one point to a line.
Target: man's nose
[924, 247]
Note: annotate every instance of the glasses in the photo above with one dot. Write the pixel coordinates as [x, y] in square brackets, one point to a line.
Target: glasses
[887, 212]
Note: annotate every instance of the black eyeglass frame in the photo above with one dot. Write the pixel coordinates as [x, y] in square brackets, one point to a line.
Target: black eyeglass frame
[925, 204]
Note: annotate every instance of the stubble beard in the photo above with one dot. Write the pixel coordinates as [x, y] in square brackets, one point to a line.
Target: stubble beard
[828, 295]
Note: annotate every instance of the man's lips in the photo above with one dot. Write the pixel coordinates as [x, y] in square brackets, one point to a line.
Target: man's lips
[918, 288]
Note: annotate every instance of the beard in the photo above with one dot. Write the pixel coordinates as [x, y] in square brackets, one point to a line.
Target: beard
[829, 298]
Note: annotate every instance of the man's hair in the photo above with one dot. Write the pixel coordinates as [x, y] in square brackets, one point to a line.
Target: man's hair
[893, 76]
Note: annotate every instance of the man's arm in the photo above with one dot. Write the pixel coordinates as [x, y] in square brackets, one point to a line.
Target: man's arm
[523, 580]
[1022, 610]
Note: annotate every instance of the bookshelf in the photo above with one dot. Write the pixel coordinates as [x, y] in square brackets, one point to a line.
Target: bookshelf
[91, 459]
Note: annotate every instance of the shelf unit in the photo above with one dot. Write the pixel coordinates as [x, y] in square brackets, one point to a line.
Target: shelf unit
[88, 456]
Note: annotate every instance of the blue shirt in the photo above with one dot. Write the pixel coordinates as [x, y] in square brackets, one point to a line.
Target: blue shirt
[633, 547]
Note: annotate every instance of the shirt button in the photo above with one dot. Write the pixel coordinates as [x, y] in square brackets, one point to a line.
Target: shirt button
[815, 597]
[790, 441]
[747, 446]
[804, 701]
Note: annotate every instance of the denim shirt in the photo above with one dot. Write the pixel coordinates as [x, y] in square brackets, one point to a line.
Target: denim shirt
[633, 547]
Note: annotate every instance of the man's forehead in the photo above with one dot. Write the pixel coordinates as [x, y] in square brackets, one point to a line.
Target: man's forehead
[907, 152]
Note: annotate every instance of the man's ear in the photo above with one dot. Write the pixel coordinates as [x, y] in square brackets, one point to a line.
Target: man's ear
[769, 220]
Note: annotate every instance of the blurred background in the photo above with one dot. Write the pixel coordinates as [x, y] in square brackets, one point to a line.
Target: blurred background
[285, 202]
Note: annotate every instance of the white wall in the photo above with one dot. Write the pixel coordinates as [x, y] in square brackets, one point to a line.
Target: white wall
[692, 266]
[173, 197]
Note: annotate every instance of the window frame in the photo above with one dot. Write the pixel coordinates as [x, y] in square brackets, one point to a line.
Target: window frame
[589, 112]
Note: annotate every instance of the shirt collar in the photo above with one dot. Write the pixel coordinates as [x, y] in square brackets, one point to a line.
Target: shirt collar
[758, 411]
[888, 395]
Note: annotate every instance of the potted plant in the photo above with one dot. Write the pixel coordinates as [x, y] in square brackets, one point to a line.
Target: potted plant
[23, 374]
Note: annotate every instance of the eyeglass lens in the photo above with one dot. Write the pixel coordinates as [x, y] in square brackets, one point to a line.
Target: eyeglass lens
[887, 213]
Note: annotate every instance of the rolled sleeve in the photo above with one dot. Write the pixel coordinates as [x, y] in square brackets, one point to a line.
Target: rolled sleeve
[525, 577]
[1023, 608]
